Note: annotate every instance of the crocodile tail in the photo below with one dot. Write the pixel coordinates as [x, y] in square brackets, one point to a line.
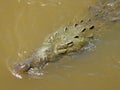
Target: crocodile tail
[107, 10]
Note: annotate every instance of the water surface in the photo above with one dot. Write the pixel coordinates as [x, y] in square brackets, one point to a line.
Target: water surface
[23, 26]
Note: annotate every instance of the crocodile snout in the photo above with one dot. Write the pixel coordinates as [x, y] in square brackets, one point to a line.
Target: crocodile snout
[23, 66]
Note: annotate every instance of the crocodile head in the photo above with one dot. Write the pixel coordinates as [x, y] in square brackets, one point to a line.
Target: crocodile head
[65, 41]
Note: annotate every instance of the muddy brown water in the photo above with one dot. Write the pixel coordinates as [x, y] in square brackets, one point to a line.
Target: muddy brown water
[23, 26]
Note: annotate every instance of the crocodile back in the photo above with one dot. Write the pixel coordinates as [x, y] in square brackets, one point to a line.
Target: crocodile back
[107, 10]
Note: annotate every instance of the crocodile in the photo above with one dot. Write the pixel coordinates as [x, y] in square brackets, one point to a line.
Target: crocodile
[69, 39]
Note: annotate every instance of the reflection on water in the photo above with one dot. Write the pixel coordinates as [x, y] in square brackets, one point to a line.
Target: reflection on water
[25, 23]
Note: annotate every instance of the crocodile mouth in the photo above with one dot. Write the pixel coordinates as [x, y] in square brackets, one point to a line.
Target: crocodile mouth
[28, 68]
[20, 71]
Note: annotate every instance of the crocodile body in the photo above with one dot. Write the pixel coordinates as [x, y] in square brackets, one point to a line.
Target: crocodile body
[69, 39]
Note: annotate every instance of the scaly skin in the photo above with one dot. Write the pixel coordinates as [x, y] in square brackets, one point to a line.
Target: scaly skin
[69, 39]
[66, 40]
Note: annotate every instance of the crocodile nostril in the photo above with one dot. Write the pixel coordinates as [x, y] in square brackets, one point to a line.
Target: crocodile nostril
[21, 67]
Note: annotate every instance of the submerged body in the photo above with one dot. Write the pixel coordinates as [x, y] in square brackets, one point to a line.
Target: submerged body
[69, 39]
